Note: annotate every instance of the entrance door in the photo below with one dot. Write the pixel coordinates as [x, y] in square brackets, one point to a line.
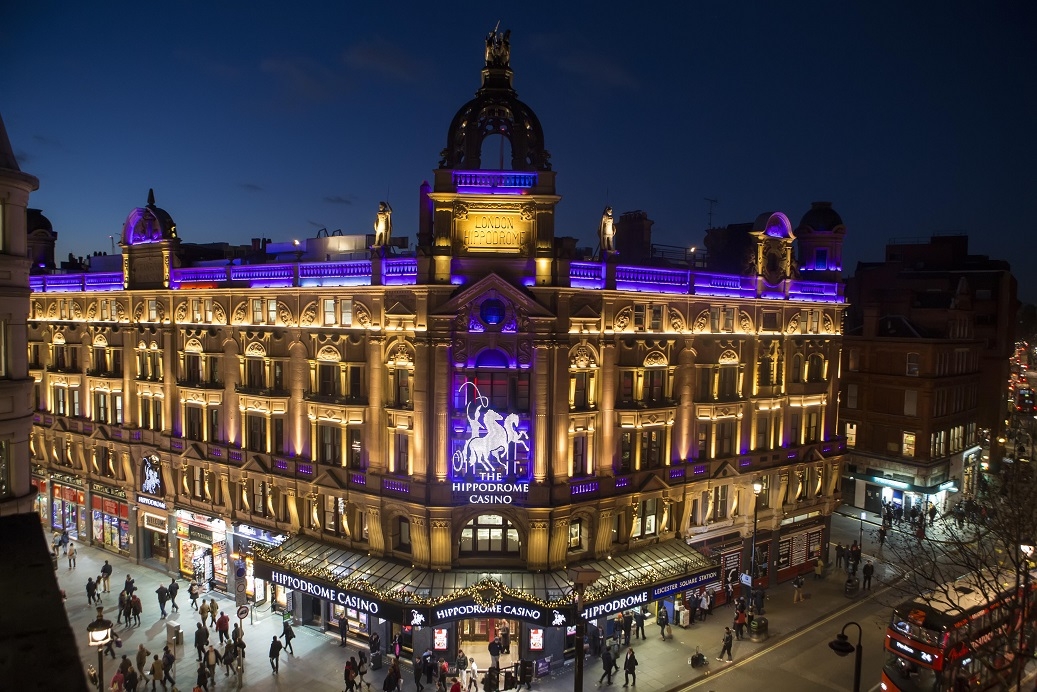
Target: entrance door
[873, 498]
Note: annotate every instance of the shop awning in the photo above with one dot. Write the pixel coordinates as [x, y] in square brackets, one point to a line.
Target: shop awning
[951, 485]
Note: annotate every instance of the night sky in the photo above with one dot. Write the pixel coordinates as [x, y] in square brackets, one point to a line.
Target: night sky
[261, 119]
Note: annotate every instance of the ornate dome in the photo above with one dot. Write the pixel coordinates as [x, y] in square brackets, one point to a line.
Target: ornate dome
[148, 224]
[821, 219]
[496, 110]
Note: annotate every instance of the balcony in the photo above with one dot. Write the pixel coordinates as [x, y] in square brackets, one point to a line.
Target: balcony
[104, 372]
[641, 404]
[260, 391]
[198, 383]
[72, 369]
[335, 399]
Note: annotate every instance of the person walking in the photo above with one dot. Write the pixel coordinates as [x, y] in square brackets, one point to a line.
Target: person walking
[505, 638]
[868, 571]
[125, 608]
[882, 537]
[193, 592]
[212, 659]
[728, 641]
[819, 569]
[419, 673]
[157, 673]
[128, 585]
[203, 611]
[275, 654]
[168, 659]
[201, 640]
[797, 588]
[663, 621]
[223, 627]
[71, 556]
[289, 634]
[173, 590]
[343, 630]
[495, 650]
[739, 624]
[163, 596]
[461, 665]
[202, 679]
[142, 658]
[628, 625]
[106, 574]
[840, 555]
[131, 680]
[213, 609]
[136, 607]
[606, 666]
[361, 669]
[91, 591]
[473, 676]
[639, 624]
[630, 668]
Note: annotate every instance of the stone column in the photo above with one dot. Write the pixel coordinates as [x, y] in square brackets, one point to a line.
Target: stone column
[420, 546]
[560, 406]
[441, 395]
[375, 434]
[420, 449]
[375, 532]
[541, 422]
[537, 546]
[603, 533]
[607, 374]
[559, 541]
[442, 546]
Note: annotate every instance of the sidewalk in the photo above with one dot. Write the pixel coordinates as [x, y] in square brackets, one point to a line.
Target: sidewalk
[318, 660]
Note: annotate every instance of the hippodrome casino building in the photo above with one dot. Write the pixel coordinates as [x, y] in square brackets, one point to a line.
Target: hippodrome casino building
[424, 442]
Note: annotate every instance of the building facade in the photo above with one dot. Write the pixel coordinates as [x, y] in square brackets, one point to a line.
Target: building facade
[925, 361]
[424, 444]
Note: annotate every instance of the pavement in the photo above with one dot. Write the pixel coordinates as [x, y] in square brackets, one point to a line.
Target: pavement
[318, 660]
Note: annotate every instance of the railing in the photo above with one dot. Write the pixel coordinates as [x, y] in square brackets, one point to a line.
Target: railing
[495, 179]
[584, 488]
[400, 271]
[64, 283]
[586, 275]
[393, 485]
[723, 285]
[652, 279]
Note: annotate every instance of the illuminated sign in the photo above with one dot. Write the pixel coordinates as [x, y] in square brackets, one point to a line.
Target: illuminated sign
[536, 639]
[439, 639]
[150, 478]
[495, 231]
[156, 523]
[917, 654]
[597, 610]
[711, 576]
[485, 467]
[348, 599]
[151, 502]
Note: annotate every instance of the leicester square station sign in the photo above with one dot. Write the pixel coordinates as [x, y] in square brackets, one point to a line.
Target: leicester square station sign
[486, 468]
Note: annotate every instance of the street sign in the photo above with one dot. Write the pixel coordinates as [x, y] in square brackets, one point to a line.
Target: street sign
[240, 597]
[747, 580]
[242, 612]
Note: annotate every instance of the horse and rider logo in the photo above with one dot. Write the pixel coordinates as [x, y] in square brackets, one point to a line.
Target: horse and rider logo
[492, 439]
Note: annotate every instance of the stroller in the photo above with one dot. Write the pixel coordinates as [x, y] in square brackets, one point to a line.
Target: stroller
[698, 659]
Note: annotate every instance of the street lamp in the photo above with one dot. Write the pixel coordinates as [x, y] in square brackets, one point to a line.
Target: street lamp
[581, 578]
[1026, 548]
[757, 489]
[860, 543]
[99, 633]
[842, 646]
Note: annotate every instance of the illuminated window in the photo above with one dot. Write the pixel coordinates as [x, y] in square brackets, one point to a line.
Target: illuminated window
[646, 521]
[853, 360]
[329, 444]
[576, 534]
[720, 502]
[489, 534]
[353, 448]
[908, 448]
[763, 432]
[257, 311]
[912, 364]
[815, 368]
[401, 455]
[851, 434]
[579, 455]
[271, 310]
[346, 307]
[492, 311]
[329, 312]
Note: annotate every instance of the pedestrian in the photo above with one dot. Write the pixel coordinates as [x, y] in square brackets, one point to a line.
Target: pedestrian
[628, 625]
[168, 659]
[236, 633]
[163, 596]
[71, 556]
[728, 641]
[419, 672]
[442, 670]
[455, 685]
[203, 610]
[91, 591]
[505, 638]
[869, 569]
[212, 659]
[193, 592]
[343, 630]
[739, 624]
[819, 569]
[121, 606]
[275, 654]
[428, 666]
[289, 634]
[461, 664]
[223, 627]
[630, 668]
[703, 605]
[128, 586]
[606, 666]
[142, 657]
[882, 537]
[173, 590]
[840, 554]
[797, 589]
[106, 574]
[362, 668]
[202, 679]
[663, 621]
[136, 607]
[118, 680]
[131, 680]
[230, 657]
[729, 593]
[473, 675]
[374, 643]
[125, 664]
[201, 640]
[349, 674]
[213, 609]
[898, 514]
[64, 539]
[127, 608]
[639, 623]
[157, 673]
[495, 650]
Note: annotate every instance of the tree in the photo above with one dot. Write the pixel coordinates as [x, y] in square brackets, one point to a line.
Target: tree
[973, 555]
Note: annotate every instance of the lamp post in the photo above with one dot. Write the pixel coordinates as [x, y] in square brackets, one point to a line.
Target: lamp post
[841, 645]
[860, 543]
[99, 633]
[581, 578]
[757, 489]
[1026, 548]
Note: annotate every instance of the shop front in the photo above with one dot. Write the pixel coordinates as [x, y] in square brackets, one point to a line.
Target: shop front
[110, 517]
[42, 504]
[257, 590]
[202, 548]
[68, 506]
[154, 528]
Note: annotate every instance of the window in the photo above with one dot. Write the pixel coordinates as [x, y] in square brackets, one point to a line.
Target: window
[353, 446]
[770, 322]
[257, 311]
[720, 502]
[763, 432]
[193, 368]
[576, 534]
[260, 493]
[152, 310]
[332, 514]
[815, 368]
[908, 448]
[271, 310]
[193, 423]
[626, 386]
[328, 379]
[938, 443]
[60, 399]
[626, 451]
[278, 435]
[910, 402]
[912, 364]
[652, 448]
[655, 385]
[489, 534]
[813, 431]
[578, 385]
[214, 424]
[795, 429]
[196, 310]
[403, 534]
[579, 453]
[725, 441]
[346, 307]
[815, 321]
[655, 322]
[101, 407]
[255, 373]
[646, 519]
[400, 383]
[255, 433]
[851, 434]
[105, 462]
[76, 408]
[821, 258]
[797, 368]
[727, 384]
[401, 456]
[851, 396]
[722, 319]
[763, 500]
[853, 359]
[6, 490]
[329, 311]
[198, 482]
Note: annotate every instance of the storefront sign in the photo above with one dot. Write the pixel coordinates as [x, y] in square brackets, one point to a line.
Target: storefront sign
[262, 535]
[117, 493]
[506, 607]
[614, 605]
[194, 533]
[151, 502]
[695, 581]
[156, 523]
[151, 476]
[536, 639]
[490, 466]
[543, 666]
[439, 638]
[362, 602]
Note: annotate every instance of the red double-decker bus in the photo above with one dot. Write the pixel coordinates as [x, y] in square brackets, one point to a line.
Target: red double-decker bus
[932, 644]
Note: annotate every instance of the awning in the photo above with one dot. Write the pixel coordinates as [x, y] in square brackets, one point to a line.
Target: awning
[398, 591]
[951, 485]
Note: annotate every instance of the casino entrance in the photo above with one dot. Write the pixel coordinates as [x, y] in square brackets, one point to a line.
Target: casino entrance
[476, 630]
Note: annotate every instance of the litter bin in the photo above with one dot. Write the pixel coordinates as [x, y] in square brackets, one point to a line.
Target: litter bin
[376, 660]
[758, 629]
[174, 635]
[853, 585]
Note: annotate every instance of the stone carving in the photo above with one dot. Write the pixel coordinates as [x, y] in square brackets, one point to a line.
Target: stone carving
[284, 314]
[525, 352]
[745, 323]
[91, 311]
[37, 309]
[474, 325]
[329, 354]
[460, 210]
[582, 357]
[361, 314]
[607, 231]
[138, 312]
[239, 313]
[440, 523]
[460, 351]
[701, 322]
[827, 326]
[383, 225]
[655, 359]
[52, 309]
[76, 309]
[676, 320]
[622, 320]
[793, 325]
[181, 312]
[528, 211]
[309, 314]
[193, 346]
[255, 349]
[401, 354]
[728, 358]
[219, 316]
[539, 524]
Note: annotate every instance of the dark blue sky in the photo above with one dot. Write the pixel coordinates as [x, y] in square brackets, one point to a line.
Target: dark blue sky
[271, 119]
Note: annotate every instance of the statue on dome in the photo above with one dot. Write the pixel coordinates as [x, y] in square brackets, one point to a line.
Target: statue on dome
[498, 48]
[383, 225]
[607, 231]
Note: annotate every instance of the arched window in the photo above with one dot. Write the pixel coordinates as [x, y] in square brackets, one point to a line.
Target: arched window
[815, 368]
[489, 534]
[797, 368]
[491, 358]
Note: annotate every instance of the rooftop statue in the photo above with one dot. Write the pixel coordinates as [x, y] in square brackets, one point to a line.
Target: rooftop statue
[498, 48]
[607, 231]
[383, 225]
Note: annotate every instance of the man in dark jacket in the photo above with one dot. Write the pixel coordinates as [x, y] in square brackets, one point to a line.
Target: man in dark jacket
[173, 590]
[868, 571]
[639, 624]
[201, 640]
[163, 596]
[630, 668]
[606, 665]
[275, 654]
